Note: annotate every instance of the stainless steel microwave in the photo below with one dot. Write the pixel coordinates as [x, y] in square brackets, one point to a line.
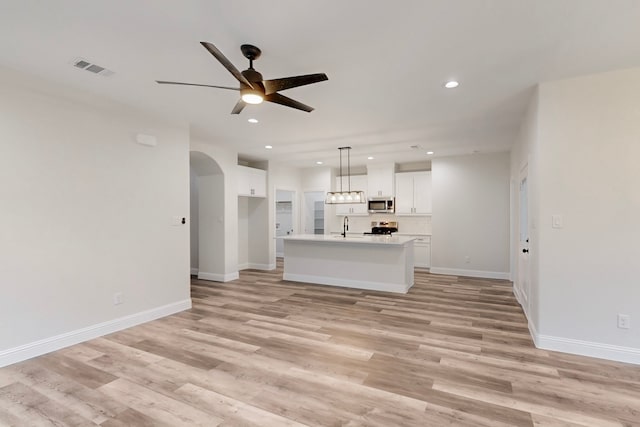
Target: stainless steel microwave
[381, 205]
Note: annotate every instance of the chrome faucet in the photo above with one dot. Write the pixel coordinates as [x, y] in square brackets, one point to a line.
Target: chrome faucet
[345, 226]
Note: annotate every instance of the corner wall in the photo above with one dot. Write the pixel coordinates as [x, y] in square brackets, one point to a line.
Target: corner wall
[470, 222]
[589, 146]
[86, 213]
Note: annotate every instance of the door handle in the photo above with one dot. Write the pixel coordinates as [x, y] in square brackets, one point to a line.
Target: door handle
[525, 251]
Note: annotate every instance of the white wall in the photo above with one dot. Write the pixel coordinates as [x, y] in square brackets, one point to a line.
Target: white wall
[261, 221]
[86, 213]
[253, 229]
[243, 233]
[227, 162]
[316, 179]
[589, 146]
[471, 215]
[194, 230]
[283, 177]
[211, 240]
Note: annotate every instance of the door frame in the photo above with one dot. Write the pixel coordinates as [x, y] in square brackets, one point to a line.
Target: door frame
[523, 278]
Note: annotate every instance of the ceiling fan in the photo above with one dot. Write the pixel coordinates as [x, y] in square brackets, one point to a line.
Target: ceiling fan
[253, 89]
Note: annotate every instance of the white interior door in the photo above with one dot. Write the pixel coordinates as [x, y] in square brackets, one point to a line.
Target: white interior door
[523, 237]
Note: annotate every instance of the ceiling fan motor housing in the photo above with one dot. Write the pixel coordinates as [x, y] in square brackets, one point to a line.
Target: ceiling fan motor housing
[255, 78]
[252, 75]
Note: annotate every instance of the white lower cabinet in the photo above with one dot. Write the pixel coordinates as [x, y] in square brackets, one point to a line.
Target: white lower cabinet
[422, 251]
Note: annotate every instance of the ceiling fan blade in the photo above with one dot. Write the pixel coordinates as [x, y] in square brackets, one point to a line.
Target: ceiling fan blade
[287, 102]
[162, 82]
[226, 63]
[276, 85]
[239, 106]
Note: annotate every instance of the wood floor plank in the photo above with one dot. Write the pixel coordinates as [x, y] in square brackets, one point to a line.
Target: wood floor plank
[232, 411]
[562, 413]
[85, 401]
[75, 370]
[130, 417]
[158, 406]
[34, 408]
[260, 351]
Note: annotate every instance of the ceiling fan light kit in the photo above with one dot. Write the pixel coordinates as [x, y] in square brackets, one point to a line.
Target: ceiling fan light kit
[253, 89]
[251, 96]
[349, 196]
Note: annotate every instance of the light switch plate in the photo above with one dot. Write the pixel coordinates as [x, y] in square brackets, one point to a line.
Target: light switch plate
[556, 221]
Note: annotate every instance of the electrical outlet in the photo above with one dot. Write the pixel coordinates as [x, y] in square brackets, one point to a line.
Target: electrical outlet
[118, 298]
[467, 259]
[624, 321]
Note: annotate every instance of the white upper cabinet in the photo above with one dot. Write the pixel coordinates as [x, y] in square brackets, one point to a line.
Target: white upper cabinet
[358, 183]
[413, 193]
[404, 193]
[380, 180]
[252, 182]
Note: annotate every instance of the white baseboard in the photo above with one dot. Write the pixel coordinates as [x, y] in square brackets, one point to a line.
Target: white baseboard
[262, 266]
[194, 271]
[586, 348]
[471, 273]
[47, 345]
[216, 277]
[358, 284]
[521, 298]
[255, 266]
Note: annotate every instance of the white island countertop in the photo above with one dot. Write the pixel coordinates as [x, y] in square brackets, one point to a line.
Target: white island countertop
[393, 240]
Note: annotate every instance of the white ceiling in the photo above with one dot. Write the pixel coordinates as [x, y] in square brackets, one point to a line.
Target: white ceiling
[386, 61]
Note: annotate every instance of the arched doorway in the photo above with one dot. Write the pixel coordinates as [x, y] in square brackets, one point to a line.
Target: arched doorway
[207, 217]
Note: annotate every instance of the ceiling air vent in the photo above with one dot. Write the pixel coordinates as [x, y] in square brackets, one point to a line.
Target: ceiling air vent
[83, 64]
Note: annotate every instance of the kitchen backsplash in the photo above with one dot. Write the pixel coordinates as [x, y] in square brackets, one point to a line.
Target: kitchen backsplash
[406, 224]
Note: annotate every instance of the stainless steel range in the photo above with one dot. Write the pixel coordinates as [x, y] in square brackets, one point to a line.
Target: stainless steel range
[383, 227]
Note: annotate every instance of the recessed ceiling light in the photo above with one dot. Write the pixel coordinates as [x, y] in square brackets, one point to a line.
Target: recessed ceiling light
[429, 152]
[451, 84]
[253, 120]
[370, 158]
[268, 147]
[318, 163]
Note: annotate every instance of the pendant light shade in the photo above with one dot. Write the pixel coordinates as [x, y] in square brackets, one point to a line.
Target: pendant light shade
[347, 195]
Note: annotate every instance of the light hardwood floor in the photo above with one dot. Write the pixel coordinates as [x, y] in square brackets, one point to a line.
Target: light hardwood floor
[262, 351]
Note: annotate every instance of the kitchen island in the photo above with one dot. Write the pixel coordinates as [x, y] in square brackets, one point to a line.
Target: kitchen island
[381, 263]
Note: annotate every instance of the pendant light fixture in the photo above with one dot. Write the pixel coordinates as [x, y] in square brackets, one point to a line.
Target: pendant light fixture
[348, 196]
